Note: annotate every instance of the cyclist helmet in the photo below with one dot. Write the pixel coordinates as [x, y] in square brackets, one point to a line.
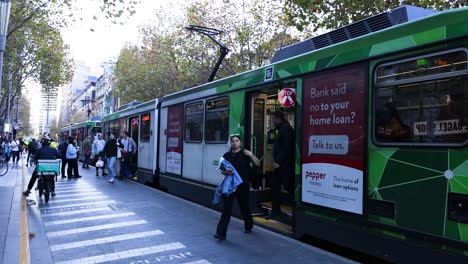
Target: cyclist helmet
[45, 141]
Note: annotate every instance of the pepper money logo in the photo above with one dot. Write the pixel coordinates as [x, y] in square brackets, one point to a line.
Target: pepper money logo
[316, 178]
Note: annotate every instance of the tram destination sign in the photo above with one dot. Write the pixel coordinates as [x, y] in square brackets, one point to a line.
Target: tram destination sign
[333, 139]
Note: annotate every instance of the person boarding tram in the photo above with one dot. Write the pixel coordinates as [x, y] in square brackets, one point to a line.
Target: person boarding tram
[283, 161]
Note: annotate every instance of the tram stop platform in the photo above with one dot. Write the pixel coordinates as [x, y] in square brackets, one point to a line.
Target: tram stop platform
[93, 221]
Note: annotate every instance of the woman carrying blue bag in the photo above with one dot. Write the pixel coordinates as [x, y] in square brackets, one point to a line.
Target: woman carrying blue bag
[238, 164]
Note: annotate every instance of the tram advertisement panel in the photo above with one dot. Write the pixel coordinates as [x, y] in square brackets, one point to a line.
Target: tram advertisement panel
[175, 120]
[333, 139]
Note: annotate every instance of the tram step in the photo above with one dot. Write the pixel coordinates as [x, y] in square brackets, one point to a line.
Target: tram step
[274, 225]
[285, 209]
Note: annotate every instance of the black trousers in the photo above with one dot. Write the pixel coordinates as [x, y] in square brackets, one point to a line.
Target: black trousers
[242, 193]
[281, 176]
[64, 165]
[16, 155]
[72, 167]
[87, 160]
[33, 180]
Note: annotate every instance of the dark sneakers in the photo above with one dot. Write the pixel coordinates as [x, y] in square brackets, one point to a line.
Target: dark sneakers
[220, 237]
[26, 193]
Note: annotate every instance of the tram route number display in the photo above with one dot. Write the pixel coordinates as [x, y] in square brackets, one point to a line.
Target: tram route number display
[333, 139]
[439, 128]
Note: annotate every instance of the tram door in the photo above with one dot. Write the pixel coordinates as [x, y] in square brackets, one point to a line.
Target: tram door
[258, 113]
[145, 160]
[134, 134]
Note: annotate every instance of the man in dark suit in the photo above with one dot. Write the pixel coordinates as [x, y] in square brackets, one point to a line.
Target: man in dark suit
[283, 160]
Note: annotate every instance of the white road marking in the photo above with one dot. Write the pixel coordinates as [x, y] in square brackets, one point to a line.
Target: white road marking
[76, 205]
[78, 187]
[78, 199]
[104, 240]
[79, 194]
[74, 191]
[94, 228]
[75, 212]
[125, 254]
[203, 261]
[90, 218]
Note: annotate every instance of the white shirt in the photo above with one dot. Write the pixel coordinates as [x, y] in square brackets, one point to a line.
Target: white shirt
[98, 146]
[15, 145]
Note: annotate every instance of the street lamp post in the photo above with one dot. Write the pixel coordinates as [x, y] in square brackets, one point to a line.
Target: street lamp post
[5, 6]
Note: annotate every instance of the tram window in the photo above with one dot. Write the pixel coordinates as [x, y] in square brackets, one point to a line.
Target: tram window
[145, 133]
[217, 121]
[194, 122]
[423, 113]
[425, 67]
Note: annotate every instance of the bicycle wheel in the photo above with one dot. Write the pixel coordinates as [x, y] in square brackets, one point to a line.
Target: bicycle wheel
[3, 167]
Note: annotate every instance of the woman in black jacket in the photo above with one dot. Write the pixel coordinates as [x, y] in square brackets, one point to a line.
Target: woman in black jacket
[241, 160]
[110, 151]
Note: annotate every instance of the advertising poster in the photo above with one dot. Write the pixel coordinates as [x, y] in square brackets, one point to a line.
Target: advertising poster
[175, 121]
[333, 139]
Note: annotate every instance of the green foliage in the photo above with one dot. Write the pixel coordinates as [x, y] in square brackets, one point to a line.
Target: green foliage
[34, 52]
[172, 58]
[313, 15]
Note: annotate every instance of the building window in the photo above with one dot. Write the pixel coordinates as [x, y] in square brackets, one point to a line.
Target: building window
[145, 133]
[217, 121]
[194, 122]
[423, 112]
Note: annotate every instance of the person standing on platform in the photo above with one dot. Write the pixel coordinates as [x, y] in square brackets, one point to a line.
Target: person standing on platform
[240, 160]
[72, 159]
[32, 148]
[283, 161]
[87, 151]
[63, 153]
[15, 149]
[110, 151]
[98, 152]
[128, 151]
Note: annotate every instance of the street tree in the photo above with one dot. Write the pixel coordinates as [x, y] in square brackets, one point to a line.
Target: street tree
[312, 16]
[172, 58]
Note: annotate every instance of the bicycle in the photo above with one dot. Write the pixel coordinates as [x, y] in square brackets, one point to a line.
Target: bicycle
[3, 166]
[47, 170]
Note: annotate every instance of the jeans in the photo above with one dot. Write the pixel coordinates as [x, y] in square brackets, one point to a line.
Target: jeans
[110, 167]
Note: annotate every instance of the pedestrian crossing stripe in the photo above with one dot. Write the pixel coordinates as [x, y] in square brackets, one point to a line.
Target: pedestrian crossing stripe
[91, 218]
[95, 228]
[125, 254]
[80, 194]
[104, 240]
[75, 212]
[78, 204]
[77, 199]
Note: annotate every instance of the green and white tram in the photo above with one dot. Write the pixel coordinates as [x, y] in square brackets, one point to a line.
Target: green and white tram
[80, 131]
[380, 112]
[141, 121]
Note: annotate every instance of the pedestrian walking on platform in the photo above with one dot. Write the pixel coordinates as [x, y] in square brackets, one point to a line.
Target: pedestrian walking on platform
[15, 149]
[128, 152]
[240, 160]
[72, 159]
[63, 153]
[87, 151]
[110, 150]
[98, 152]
